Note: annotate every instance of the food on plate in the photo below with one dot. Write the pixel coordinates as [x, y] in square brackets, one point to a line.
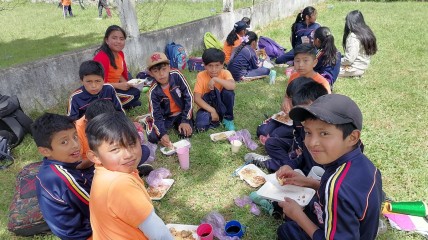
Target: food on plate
[171, 148]
[248, 173]
[281, 181]
[258, 180]
[220, 136]
[157, 192]
[182, 235]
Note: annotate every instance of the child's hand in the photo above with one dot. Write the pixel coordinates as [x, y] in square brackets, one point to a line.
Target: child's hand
[165, 141]
[214, 116]
[291, 208]
[286, 105]
[185, 129]
[283, 170]
[211, 83]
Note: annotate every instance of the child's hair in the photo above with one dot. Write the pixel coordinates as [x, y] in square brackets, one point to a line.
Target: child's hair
[158, 66]
[98, 107]
[105, 48]
[327, 45]
[305, 48]
[307, 11]
[213, 55]
[346, 129]
[247, 20]
[249, 38]
[44, 128]
[303, 91]
[91, 67]
[233, 35]
[112, 127]
[355, 23]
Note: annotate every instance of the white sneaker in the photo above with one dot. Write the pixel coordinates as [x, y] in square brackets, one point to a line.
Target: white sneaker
[255, 156]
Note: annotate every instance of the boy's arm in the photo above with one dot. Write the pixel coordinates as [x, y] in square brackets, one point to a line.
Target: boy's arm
[155, 111]
[73, 109]
[295, 213]
[114, 98]
[154, 228]
[188, 99]
[202, 104]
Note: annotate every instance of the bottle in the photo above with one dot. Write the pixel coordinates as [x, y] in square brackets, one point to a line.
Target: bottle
[272, 76]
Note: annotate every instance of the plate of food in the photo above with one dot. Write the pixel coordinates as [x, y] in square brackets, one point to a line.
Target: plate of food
[221, 136]
[157, 193]
[253, 175]
[303, 196]
[169, 151]
[137, 83]
[280, 183]
[282, 118]
[183, 232]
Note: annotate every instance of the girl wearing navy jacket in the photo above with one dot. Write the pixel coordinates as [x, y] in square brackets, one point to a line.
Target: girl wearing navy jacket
[302, 31]
[244, 62]
[328, 57]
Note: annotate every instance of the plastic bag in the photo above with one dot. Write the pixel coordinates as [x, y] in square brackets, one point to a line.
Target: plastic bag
[217, 222]
[156, 176]
[246, 200]
[152, 147]
[245, 137]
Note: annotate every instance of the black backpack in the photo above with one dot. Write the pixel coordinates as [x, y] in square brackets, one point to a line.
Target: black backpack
[13, 120]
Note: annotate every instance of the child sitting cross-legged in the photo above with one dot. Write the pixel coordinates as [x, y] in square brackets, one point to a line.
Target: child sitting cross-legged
[349, 196]
[120, 206]
[62, 190]
[214, 93]
[170, 101]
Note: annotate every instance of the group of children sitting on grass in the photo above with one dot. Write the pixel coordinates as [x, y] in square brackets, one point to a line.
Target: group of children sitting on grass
[113, 203]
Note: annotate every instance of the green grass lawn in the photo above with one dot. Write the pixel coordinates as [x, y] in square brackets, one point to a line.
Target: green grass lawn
[392, 96]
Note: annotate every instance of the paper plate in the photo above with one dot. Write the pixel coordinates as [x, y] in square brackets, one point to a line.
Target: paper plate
[274, 181]
[277, 118]
[250, 178]
[137, 83]
[166, 185]
[179, 144]
[183, 227]
[302, 197]
[221, 135]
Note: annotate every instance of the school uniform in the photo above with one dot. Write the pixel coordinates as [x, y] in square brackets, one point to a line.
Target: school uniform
[81, 98]
[347, 204]
[221, 99]
[170, 107]
[329, 72]
[245, 64]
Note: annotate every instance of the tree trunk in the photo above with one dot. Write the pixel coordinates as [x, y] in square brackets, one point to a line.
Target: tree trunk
[128, 18]
[227, 5]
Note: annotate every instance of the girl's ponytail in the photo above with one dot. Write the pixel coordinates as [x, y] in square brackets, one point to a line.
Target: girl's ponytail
[231, 38]
[307, 11]
[327, 45]
[246, 40]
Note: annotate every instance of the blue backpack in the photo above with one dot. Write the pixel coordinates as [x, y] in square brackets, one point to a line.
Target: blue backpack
[177, 55]
[273, 49]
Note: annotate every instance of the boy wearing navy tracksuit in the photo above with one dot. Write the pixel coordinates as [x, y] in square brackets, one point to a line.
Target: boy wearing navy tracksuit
[170, 101]
[348, 199]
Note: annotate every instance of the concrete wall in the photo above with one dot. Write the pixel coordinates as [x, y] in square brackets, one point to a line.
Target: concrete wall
[45, 83]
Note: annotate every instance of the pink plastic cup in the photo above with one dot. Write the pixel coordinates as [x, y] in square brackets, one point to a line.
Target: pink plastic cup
[205, 231]
[183, 157]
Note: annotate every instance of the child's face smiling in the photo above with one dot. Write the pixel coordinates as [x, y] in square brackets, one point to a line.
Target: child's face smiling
[93, 83]
[214, 68]
[116, 41]
[325, 142]
[65, 147]
[304, 64]
[115, 157]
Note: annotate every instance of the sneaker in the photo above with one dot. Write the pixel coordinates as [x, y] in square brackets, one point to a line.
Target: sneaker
[229, 125]
[144, 169]
[259, 164]
[254, 156]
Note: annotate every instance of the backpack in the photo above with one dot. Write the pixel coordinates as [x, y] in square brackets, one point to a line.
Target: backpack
[211, 41]
[25, 217]
[272, 48]
[13, 119]
[5, 158]
[177, 55]
[195, 64]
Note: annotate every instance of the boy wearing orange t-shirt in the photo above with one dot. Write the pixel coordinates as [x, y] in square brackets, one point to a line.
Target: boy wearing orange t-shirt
[120, 207]
[170, 102]
[305, 59]
[214, 93]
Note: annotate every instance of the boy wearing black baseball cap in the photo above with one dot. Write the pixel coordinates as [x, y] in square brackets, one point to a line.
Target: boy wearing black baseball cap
[347, 203]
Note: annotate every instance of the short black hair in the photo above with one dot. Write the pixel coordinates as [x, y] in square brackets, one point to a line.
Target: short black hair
[305, 48]
[213, 55]
[98, 107]
[307, 92]
[158, 66]
[112, 127]
[91, 67]
[44, 128]
[346, 129]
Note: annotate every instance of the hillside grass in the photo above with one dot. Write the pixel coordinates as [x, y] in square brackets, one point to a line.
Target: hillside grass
[392, 96]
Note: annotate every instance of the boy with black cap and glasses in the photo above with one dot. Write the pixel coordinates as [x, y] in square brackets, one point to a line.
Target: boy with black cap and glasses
[348, 200]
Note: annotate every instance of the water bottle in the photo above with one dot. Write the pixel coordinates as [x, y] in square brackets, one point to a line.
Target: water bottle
[272, 76]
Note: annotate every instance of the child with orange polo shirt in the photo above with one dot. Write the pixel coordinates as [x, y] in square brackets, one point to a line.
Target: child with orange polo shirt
[66, 7]
[120, 207]
[170, 101]
[214, 93]
[234, 39]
